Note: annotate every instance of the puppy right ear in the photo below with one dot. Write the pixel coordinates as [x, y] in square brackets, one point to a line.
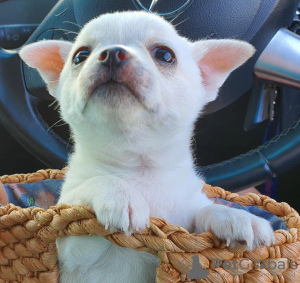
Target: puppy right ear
[48, 57]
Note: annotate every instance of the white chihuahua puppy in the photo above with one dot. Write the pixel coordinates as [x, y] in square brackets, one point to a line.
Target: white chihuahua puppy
[131, 89]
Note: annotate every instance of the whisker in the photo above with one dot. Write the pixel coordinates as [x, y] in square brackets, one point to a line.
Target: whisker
[176, 17]
[53, 125]
[70, 32]
[68, 141]
[66, 30]
[182, 22]
[62, 12]
[68, 22]
[56, 106]
[52, 103]
[61, 124]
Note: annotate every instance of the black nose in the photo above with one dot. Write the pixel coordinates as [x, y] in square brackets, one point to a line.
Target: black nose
[114, 57]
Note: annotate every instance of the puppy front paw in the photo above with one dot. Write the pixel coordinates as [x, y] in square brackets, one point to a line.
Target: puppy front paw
[123, 211]
[235, 226]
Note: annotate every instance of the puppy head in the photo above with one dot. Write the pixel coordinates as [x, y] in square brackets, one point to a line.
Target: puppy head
[131, 71]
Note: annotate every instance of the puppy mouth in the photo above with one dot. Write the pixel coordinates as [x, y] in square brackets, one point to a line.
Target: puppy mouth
[112, 88]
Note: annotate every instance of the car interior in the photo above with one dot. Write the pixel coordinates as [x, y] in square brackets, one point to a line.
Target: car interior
[249, 136]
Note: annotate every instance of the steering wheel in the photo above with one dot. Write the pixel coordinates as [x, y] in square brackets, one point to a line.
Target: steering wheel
[254, 21]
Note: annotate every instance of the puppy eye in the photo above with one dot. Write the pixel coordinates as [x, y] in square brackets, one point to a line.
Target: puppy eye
[81, 55]
[164, 54]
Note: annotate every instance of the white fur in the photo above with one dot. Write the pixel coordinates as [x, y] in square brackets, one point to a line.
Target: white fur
[134, 154]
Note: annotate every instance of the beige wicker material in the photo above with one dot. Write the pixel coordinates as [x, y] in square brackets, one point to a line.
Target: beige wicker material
[28, 251]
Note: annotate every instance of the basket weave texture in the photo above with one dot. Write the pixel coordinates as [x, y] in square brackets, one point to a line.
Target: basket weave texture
[28, 251]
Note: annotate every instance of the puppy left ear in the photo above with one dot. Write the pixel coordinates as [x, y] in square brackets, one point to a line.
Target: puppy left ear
[216, 59]
[48, 57]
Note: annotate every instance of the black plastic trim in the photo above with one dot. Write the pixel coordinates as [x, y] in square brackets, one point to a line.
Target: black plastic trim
[19, 115]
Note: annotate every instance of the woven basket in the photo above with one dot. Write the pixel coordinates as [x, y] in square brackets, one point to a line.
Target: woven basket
[28, 252]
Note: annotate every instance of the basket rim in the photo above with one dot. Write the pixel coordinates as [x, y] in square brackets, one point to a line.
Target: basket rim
[281, 209]
[65, 220]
